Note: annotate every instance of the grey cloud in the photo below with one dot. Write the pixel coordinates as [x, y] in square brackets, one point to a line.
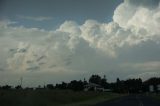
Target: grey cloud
[40, 58]
[1, 69]
[37, 18]
[29, 61]
[52, 66]
[12, 50]
[22, 50]
[41, 63]
[35, 68]
[147, 51]
[68, 63]
[145, 3]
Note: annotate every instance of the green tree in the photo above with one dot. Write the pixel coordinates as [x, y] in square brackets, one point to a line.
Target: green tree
[95, 79]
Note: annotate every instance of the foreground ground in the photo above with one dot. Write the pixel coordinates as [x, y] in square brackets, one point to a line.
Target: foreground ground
[52, 98]
[132, 100]
[71, 98]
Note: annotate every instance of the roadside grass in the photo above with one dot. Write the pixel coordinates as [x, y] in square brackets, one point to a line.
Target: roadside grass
[155, 96]
[52, 97]
[97, 99]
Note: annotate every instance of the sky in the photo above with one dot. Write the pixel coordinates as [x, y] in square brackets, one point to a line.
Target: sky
[49, 41]
[52, 13]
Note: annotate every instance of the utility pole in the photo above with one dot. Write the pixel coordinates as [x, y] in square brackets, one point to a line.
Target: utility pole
[21, 79]
[44, 85]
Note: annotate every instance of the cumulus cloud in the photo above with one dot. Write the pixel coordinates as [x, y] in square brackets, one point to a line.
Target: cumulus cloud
[139, 16]
[127, 46]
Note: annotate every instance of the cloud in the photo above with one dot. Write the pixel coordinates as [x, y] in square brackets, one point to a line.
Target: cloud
[35, 18]
[145, 75]
[146, 3]
[145, 66]
[140, 16]
[127, 46]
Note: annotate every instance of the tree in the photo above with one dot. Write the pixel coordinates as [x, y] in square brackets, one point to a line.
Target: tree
[18, 87]
[133, 85]
[104, 82]
[85, 82]
[63, 85]
[6, 87]
[95, 79]
[76, 85]
[50, 86]
[152, 81]
[118, 80]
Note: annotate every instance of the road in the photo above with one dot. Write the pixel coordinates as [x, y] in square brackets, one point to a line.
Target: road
[131, 100]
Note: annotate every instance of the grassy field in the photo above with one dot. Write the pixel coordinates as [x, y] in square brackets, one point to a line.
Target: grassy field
[52, 98]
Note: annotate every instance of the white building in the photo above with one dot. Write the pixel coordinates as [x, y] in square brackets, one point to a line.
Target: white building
[158, 87]
[95, 87]
[151, 88]
[92, 86]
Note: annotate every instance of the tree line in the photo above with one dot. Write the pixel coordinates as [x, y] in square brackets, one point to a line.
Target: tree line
[120, 86]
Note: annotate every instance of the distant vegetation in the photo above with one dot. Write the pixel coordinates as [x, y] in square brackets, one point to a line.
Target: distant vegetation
[72, 92]
[120, 86]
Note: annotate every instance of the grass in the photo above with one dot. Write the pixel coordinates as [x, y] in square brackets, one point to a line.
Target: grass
[52, 98]
[94, 100]
[155, 96]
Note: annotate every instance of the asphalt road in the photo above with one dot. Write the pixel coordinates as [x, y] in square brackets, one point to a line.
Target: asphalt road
[131, 100]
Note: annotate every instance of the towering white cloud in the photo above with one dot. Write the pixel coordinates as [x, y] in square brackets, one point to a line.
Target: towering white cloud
[138, 16]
